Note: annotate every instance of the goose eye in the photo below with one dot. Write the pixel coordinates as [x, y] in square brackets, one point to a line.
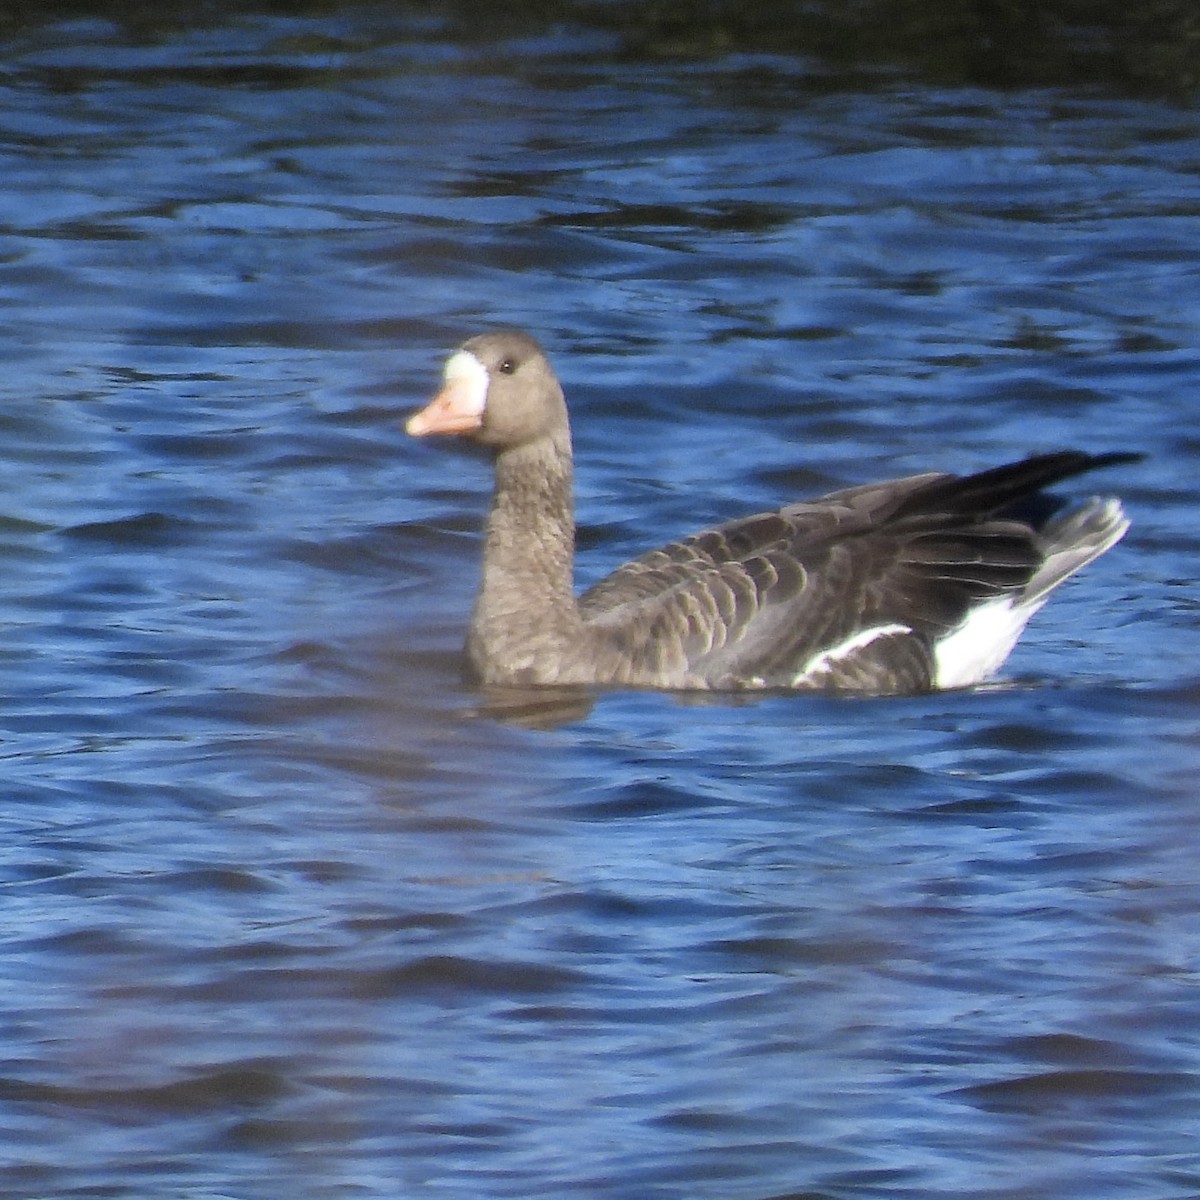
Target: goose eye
[507, 366]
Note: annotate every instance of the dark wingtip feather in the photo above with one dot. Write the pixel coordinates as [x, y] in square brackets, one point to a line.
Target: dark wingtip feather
[1015, 484]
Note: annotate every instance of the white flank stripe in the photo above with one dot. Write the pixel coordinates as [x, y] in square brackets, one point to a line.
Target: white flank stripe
[977, 648]
[823, 662]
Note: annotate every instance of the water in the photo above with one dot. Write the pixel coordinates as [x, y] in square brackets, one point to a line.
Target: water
[282, 914]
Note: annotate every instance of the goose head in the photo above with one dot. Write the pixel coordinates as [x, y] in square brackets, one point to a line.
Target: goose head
[497, 389]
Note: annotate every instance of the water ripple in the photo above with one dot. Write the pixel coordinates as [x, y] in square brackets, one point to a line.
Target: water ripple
[290, 906]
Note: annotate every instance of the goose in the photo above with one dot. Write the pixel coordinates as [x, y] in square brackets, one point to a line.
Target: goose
[906, 586]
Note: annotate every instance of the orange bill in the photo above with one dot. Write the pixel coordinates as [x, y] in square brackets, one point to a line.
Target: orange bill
[455, 409]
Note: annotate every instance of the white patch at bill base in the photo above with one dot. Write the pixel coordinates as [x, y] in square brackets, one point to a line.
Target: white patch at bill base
[467, 372]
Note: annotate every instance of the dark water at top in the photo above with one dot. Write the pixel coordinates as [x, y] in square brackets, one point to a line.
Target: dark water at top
[279, 917]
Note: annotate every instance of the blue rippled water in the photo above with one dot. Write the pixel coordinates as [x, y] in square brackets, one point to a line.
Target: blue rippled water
[286, 909]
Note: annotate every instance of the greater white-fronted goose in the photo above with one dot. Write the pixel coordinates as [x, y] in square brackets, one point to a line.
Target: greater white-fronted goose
[914, 584]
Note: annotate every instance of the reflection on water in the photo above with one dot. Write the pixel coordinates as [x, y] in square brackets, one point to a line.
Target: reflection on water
[288, 905]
